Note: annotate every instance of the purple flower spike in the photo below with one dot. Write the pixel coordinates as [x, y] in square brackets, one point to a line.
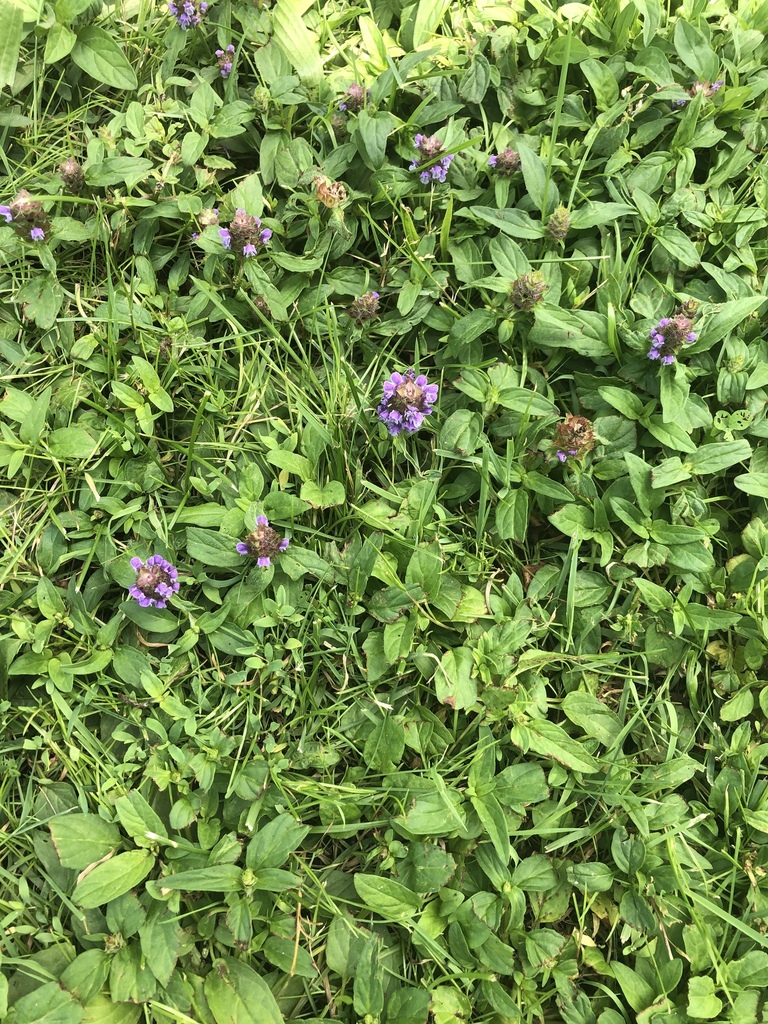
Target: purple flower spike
[156, 581]
[187, 13]
[405, 401]
[5, 211]
[668, 337]
[430, 148]
[263, 543]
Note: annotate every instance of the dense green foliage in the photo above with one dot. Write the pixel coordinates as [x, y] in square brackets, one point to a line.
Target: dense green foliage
[487, 742]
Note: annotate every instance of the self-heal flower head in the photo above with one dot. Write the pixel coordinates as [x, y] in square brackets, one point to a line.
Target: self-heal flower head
[573, 438]
[668, 337]
[559, 224]
[527, 291]
[245, 232]
[28, 217]
[156, 581]
[188, 13]
[225, 60]
[364, 307]
[505, 163]
[263, 543]
[430, 148]
[708, 89]
[354, 99]
[405, 401]
[72, 175]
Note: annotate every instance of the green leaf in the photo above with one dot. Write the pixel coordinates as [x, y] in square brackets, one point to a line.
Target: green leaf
[386, 897]
[12, 20]
[82, 839]
[368, 990]
[325, 496]
[236, 994]
[552, 741]
[715, 457]
[753, 483]
[216, 878]
[118, 170]
[114, 877]
[512, 516]
[373, 131]
[592, 716]
[579, 331]
[72, 443]
[534, 874]
[389, 604]
[460, 434]
[715, 327]
[475, 80]
[455, 679]
[703, 1004]
[160, 942]
[602, 81]
[292, 462]
[275, 842]
[48, 1004]
[512, 222]
[426, 868]
[99, 56]
[295, 40]
[488, 810]
[58, 43]
[212, 548]
[679, 245]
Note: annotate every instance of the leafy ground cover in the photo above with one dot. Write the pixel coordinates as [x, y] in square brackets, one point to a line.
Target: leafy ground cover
[384, 516]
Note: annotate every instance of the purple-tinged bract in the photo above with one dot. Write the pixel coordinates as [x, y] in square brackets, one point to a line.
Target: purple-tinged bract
[156, 581]
[405, 401]
[506, 162]
[263, 543]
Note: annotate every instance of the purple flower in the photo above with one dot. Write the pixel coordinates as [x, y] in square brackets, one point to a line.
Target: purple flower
[5, 211]
[187, 13]
[156, 581]
[668, 337]
[37, 234]
[364, 307]
[405, 401]
[506, 162]
[430, 164]
[354, 99]
[225, 60]
[245, 234]
[263, 543]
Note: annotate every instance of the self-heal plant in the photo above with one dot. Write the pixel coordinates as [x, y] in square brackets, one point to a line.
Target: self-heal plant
[707, 88]
[245, 235]
[225, 60]
[364, 307]
[527, 291]
[156, 581]
[27, 217]
[430, 148]
[573, 438]
[405, 401]
[505, 163]
[189, 13]
[263, 543]
[668, 337]
[354, 99]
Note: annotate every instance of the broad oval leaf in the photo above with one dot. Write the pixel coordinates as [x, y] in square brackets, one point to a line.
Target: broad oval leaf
[113, 878]
[99, 56]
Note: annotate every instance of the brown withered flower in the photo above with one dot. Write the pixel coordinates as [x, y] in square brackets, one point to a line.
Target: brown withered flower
[527, 291]
[573, 438]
